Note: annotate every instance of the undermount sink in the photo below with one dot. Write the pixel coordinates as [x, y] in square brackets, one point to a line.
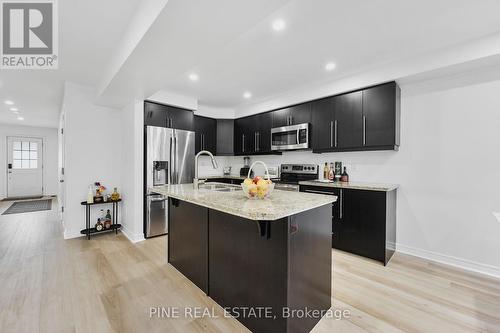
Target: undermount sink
[220, 187]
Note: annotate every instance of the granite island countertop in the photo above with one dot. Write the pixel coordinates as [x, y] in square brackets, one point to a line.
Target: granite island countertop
[278, 205]
[236, 177]
[352, 185]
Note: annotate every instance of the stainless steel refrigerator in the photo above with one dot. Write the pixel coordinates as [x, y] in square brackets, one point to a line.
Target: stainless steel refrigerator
[169, 160]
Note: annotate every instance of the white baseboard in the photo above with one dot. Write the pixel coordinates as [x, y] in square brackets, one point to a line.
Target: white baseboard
[450, 260]
[68, 234]
[131, 237]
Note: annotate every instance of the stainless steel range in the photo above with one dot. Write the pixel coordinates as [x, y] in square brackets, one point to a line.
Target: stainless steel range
[292, 174]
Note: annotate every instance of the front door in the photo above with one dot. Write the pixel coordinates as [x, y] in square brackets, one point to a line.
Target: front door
[24, 167]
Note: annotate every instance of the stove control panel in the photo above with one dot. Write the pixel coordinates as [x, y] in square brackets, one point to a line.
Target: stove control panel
[299, 168]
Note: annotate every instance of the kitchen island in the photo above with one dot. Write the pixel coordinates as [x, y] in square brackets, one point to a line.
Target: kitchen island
[267, 262]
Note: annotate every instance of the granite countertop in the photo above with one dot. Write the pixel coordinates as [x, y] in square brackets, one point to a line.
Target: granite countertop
[229, 177]
[353, 185]
[278, 205]
[222, 176]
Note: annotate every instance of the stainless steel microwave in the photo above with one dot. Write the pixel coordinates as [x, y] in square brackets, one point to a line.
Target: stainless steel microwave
[290, 137]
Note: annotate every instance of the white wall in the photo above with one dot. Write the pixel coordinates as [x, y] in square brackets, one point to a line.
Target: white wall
[50, 149]
[93, 152]
[448, 168]
[214, 112]
[132, 170]
[174, 99]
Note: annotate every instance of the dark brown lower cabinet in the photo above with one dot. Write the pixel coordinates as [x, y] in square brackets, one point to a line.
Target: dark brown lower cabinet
[275, 266]
[187, 241]
[363, 221]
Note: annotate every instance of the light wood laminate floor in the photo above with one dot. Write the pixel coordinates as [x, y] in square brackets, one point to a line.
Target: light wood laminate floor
[107, 284]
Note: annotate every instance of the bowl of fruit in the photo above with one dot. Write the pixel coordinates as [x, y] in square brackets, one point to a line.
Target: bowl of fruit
[257, 187]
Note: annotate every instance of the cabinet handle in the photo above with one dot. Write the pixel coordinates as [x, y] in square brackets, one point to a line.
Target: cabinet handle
[364, 130]
[243, 143]
[336, 134]
[255, 141]
[319, 192]
[202, 141]
[341, 203]
[258, 140]
[331, 134]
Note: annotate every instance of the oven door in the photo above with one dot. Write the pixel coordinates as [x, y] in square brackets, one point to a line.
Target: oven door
[290, 137]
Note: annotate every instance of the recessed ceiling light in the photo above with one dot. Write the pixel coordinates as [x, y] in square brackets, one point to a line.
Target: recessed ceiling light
[9, 102]
[14, 109]
[330, 66]
[279, 25]
[247, 94]
[193, 77]
[20, 118]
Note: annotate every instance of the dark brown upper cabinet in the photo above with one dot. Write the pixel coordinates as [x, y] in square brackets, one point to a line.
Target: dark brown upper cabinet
[252, 134]
[293, 115]
[381, 116]
[361, 120]
[225, 137]
[161, 115]
[337, 122]
[205, 134]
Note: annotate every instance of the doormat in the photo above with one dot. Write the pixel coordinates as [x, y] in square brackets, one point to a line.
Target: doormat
[22, 198]
[29, 206]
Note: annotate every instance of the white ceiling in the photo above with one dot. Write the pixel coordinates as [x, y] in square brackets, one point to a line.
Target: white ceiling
[89, 30]
[231, 46]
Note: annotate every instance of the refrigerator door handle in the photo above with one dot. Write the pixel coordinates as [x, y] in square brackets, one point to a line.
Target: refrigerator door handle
[171, 166]
[176, 156]
[148, 216]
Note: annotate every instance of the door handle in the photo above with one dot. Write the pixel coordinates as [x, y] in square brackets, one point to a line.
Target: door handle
[9, 166]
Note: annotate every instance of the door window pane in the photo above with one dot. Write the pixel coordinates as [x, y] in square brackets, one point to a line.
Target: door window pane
[24, 155]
